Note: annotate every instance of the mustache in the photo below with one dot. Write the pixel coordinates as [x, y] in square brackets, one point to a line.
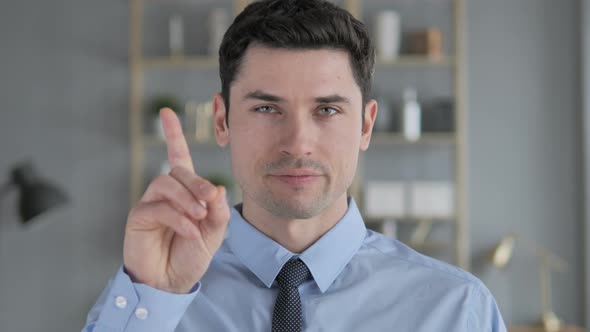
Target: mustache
[290, 163]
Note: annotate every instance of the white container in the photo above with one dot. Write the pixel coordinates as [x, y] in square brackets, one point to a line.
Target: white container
[387, 35]
[219, 21]
[411, 114]
[385, 199]
[176, 30]
[432, 199]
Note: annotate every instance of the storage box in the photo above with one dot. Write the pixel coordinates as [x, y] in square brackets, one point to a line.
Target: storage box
[384, 199]
[425, 42]
[432, 199]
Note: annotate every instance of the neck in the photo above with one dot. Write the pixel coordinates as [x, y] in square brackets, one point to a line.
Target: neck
[295, 235]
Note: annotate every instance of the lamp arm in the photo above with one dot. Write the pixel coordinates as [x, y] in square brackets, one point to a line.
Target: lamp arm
[550, 258]
[545, 283]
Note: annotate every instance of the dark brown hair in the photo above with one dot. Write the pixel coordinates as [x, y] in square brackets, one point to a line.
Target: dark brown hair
[297, 24]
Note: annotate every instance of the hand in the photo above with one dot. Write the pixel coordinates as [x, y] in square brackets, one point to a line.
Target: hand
[179, 223]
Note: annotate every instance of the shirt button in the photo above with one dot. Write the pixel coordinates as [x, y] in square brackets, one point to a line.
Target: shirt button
[141, 313]
[121, 302]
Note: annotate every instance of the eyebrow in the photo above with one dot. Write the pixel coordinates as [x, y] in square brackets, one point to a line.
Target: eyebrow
[332, 99]
[260, 95]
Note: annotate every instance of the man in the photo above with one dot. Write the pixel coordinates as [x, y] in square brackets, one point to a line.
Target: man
[295, 111]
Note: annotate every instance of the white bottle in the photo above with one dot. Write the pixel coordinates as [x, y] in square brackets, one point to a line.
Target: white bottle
[219, 22]
[411, 115]
[176, 30]
[388, 35]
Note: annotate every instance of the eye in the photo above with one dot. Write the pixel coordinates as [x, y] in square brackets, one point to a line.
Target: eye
[265, 109]
[328, 111]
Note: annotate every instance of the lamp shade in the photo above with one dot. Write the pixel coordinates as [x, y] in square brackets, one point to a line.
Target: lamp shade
[503, 252]
[36, 195]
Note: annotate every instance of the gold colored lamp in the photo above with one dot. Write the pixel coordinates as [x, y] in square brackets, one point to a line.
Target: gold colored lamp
[501, 256]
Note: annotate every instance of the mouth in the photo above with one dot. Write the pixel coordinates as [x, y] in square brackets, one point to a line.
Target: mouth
[297, 177]
[297, 172]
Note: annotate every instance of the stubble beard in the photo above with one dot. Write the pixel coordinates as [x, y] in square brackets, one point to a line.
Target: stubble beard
[305, 202]
[302, 206]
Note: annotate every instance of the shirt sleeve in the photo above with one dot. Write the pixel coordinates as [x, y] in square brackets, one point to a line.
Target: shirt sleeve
[484, 314]
[128, 306]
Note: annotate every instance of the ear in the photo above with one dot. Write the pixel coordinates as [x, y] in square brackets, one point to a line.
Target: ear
[219, 123]
[370, 115]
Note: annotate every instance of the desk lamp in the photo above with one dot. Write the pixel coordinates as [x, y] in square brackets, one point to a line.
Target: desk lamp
[502, 254]
[36, 194]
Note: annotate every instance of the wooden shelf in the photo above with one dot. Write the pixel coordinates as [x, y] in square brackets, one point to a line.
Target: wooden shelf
[154, 141]
[381, 138]
[212, 62]
[142, 143]
[193, 61]
[429, 246]
[416, 61]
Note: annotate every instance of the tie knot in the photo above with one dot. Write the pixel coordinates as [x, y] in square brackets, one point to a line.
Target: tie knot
[293, 273]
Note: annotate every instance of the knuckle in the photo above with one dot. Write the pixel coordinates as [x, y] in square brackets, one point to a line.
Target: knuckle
[157, 183]
[132, 212]
[138, 208]
[161, 180]
[177, 191]
[225, 215]
[177, 170]
[221, 205]
[197, 184]
[173, 170]
[163, 207]
[137, 213]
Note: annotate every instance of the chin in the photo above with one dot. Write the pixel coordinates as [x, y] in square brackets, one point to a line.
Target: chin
[294, 208]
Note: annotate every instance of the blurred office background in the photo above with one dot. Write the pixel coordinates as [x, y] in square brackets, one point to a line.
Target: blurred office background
[65, 89]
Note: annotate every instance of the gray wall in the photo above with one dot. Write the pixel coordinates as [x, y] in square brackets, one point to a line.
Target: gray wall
[585, 26]
[525, 132]
[64, 92]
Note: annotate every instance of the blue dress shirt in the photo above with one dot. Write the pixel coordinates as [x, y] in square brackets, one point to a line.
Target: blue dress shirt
[362, 281]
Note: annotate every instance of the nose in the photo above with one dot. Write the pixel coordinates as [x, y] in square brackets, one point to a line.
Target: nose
[297, 136]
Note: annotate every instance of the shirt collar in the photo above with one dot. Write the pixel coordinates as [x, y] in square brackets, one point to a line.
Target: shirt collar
[325, 258]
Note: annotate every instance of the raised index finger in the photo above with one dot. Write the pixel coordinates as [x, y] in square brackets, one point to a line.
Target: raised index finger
[178, 152]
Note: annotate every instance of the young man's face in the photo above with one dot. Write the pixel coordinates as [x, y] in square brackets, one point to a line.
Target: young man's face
[294, 129]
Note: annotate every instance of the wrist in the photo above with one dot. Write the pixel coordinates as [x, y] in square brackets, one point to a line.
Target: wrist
[164, 287]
